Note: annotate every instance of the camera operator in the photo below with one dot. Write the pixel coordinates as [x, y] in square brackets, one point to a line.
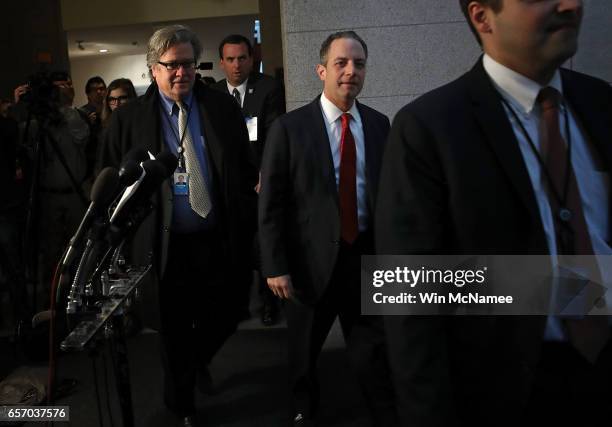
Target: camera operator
[95, 89]
[57, 138]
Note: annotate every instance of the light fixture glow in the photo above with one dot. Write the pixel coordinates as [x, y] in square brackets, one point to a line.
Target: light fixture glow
[103, 50]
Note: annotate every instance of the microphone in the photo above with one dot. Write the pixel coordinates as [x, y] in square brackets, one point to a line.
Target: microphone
[169, 160]
[130, 169]
[154, 173]
[102, 194]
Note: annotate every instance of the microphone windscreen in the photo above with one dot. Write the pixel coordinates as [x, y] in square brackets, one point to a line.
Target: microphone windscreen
[136, 154]
[169, 161]
[129, 173]
[105, 187]
[130, 169]
[155, 170]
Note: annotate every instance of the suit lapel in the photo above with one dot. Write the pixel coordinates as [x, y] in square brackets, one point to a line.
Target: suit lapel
[593, 113]
[322, 147]
[492, 118]
[151, 134]
[224, 81]
[249, 95]
[371, 142]
[213, 143]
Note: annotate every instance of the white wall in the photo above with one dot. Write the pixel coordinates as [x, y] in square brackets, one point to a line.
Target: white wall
[414, 45]
[109, 68]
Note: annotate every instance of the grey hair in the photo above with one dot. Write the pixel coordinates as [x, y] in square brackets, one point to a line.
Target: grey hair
[166, 37]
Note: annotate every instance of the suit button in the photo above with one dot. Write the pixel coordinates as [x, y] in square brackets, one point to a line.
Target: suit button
[336, 242]
[166, 229]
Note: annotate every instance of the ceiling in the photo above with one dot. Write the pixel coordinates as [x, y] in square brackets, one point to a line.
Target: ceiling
[123, 40]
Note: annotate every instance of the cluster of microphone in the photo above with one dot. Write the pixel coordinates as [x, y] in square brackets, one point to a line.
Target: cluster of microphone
[120, 200]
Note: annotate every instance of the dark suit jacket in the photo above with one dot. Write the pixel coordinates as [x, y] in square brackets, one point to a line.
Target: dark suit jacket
[138, 124]
[454, 181]
[263, 99]
[299, 221]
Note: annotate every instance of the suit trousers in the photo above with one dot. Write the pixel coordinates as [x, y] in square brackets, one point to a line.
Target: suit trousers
[198, 314]
[309, 325]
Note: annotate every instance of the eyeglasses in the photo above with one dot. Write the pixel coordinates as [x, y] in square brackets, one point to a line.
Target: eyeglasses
[120, 99]
[174, 66]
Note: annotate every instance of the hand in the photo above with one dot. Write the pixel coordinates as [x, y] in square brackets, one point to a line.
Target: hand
[92, 117]
[258, 186]
[281, 286]
[19, 91]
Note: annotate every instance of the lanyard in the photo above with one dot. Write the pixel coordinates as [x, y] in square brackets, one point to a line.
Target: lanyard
[561, 198]
[179, 140]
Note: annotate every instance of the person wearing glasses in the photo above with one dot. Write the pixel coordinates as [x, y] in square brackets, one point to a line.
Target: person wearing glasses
[119, 92]
[95, 89]
[198, 240]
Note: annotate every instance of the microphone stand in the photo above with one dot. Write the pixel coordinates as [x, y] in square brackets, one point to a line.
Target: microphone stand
[107, 240]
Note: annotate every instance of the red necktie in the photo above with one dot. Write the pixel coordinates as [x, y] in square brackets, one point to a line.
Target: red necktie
[348, 183]
[590, 334]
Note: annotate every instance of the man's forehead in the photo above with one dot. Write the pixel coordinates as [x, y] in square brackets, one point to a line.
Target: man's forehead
[236, 47]
[344, 46]
[179, 50]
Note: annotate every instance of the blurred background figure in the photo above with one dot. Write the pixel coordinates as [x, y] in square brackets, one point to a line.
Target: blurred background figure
[5, 105]
[95, 89]
[119, 92]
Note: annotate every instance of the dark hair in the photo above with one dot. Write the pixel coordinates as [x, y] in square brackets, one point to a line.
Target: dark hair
[339, 35]
[235, 39]
[495, 5]
[92, 81]
[126, 85]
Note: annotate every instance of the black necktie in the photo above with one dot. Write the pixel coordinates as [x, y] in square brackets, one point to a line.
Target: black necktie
[237, 96]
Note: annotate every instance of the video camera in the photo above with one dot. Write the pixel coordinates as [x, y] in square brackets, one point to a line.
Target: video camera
[43, 96]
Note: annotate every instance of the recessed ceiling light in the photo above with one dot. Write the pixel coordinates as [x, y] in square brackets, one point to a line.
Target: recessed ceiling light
[103, 50]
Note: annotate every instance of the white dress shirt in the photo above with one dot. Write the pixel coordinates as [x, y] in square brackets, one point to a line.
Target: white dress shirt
[593, 184]
[333, 125]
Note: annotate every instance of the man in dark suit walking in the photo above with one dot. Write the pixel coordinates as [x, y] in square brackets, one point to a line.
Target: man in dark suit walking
[198, 239]
[261, 99]
[260, 96]
[319, 178]
[475, 167]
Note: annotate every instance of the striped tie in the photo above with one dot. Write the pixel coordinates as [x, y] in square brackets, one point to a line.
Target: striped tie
[199, 199]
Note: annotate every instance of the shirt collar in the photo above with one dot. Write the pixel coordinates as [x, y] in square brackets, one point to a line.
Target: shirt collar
[241, 87]
[333, 113]
[516, 88]
[168, 103]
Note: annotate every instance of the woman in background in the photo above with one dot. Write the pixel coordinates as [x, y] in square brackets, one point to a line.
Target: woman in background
[118, 92]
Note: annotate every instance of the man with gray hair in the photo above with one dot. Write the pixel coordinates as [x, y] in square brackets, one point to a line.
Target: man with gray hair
[199, 237]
